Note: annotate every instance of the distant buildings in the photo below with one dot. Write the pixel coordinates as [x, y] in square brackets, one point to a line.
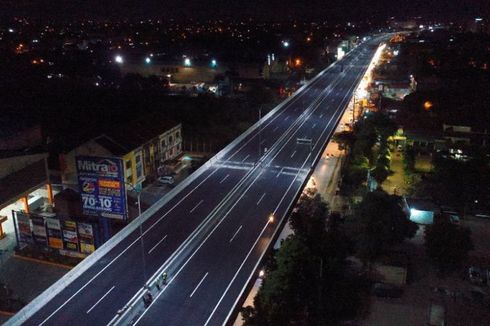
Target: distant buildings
[478, 25]
[145, 146]
[403, 24]
[176, 72]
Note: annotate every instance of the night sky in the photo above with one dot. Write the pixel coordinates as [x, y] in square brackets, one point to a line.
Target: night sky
[268, 10]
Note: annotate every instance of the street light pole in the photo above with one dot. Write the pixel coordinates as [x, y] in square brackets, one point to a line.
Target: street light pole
[141, 232]
[260, 130]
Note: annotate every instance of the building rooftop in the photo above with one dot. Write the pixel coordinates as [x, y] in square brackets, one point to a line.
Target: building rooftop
[124, 139]
[22, 182]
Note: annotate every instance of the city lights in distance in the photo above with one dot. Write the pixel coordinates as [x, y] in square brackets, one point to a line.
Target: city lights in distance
[428, 105]
[119, 59]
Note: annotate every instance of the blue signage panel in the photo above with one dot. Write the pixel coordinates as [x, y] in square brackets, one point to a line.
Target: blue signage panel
[101, 182]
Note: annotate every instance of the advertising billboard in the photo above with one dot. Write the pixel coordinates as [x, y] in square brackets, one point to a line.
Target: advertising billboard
[102, 190]
[24, 227]
[86, 237]
[55, 238]
[39, 230]
[70, 237]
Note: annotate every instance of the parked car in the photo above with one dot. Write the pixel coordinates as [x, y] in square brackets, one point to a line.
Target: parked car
[166, 180]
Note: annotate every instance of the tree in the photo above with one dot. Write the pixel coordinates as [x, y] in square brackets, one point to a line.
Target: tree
[356, 172]
[447, 245]
[345, 139]
[309, 220]
[382, 224]
[409, 159]
[380, 173]
[308, 283]
[284, 293]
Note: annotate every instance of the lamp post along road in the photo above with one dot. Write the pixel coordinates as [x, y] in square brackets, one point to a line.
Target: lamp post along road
[143, 258]
[260, 129]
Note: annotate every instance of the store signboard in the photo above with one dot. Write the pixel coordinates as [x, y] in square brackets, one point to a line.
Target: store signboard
[86, 237]
[102, 189]
[24, 227]
[39, 230]
[70, 237]
[55, 237]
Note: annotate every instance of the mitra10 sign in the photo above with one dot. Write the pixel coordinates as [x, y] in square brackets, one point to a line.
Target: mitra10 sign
[102, 190]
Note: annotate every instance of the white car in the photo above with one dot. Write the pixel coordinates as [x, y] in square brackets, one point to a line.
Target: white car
[166, 180]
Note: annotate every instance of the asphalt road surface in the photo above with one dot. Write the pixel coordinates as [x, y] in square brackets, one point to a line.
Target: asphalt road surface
[212, 235]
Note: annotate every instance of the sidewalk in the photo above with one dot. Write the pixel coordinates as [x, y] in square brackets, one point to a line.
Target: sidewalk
[396, 181]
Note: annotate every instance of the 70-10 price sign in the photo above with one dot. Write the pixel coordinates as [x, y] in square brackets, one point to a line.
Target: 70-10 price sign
[97, 202]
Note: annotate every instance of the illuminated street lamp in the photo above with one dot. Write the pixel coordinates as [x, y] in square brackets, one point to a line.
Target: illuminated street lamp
[285, 44]
[214, 63]
[147, 60]
[187, 62]
[271, 218]
[119, 59]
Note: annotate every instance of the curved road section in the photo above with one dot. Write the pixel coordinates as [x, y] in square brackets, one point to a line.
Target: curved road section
[210, 234]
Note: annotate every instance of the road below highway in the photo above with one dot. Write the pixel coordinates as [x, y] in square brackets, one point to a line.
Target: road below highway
[210, 237]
